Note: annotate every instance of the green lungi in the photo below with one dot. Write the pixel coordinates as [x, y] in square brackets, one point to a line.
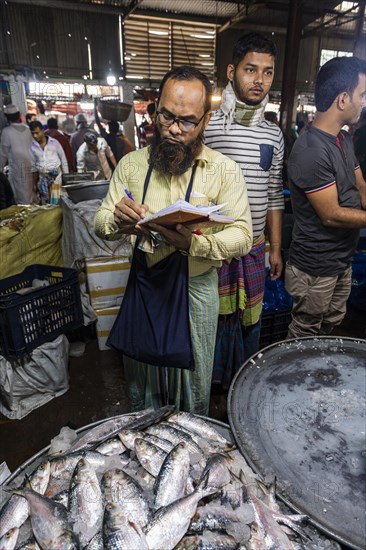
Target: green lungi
[188, 391]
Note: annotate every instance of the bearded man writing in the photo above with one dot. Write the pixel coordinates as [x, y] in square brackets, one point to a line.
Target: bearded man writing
[167, 325]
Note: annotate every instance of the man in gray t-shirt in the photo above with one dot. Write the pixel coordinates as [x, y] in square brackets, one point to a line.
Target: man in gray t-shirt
[328, 195]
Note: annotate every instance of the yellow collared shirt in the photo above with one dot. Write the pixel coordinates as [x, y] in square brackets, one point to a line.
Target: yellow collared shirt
[218, 180]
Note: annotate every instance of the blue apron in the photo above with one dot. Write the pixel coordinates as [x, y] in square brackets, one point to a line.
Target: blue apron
[152, 325]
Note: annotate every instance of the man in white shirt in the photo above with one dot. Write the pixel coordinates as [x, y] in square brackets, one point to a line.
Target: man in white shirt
[14, 152]
[92, 157]
[48, 164]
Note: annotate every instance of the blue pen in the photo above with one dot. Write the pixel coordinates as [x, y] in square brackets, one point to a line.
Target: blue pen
[128, 194]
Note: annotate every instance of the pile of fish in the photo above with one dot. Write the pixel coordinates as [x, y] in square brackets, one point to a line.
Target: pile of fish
[153, 480]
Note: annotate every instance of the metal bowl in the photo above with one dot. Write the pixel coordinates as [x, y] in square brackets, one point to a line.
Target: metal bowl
[114, 110]
[76, 178]
[87, 191]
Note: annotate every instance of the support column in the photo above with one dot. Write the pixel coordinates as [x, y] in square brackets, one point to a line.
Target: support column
[293, 37]
[126, 95]
[359, 49]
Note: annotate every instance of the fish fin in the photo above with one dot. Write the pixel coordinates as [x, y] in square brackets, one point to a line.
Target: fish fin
[242, 477]
[134, 525]
[204, 488]
[292, 522]
[268, 485]
[27, 484]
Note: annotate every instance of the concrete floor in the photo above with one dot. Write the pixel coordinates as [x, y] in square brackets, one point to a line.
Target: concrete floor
[97, 391]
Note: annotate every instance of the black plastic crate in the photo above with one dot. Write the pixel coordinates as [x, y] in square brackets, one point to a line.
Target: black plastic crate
[274, 327]
[27, 321]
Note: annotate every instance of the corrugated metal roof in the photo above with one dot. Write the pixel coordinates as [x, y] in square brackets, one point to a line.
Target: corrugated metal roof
[152, 47]
[53, 35]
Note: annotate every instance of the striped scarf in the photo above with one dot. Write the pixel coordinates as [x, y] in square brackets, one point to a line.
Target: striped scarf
[239, 112]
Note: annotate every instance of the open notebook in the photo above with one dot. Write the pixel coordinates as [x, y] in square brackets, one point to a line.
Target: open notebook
[185, 213]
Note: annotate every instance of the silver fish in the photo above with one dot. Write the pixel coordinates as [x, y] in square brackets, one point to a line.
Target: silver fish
[208, 541]
[201, 427]
[110, 428]
[85, 502]
[265, 531]
[128, 439]
[16, 510]
[213, 517]
[101, 431]
[167, 431]
[171, 482]
[9, 540]
[39, 478]
[30, 544]
[121, 532]
[13, 514]
[120, 488]
[63, 467]
[203, 443]
[49, 522]
[150, 456]
[217, 470]
[113, 446]
[169, 524]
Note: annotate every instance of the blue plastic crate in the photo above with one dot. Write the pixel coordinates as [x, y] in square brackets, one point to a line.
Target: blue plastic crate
[29, 320]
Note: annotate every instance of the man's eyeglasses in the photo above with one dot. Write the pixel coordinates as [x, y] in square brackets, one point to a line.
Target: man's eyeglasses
[166, 119]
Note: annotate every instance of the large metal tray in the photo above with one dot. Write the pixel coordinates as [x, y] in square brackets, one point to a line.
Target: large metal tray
[297, 410]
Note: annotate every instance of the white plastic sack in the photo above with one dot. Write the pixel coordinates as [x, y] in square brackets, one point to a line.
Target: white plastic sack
[35, 379]
[79, 240]
[89, 314]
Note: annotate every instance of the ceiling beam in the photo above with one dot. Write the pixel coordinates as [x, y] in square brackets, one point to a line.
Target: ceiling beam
[243, 13]
[82, 6]
[336, 21]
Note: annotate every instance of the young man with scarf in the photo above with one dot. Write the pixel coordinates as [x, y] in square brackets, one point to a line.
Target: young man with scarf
[167, 324]
[239, 130]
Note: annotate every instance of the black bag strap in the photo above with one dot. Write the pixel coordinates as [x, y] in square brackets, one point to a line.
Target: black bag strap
[147, 181]
[190, 185]
[189, 188]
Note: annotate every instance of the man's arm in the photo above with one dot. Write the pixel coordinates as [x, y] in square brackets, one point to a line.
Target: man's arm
[113, 160]
[361, 186]
[62, 157]
[34, 169]
[326, 205]
[118, 214]
[274, 230]
[275, 210]
[80, 161]
[4, 151]
[102, 131]
[111, 156]
[35, 177]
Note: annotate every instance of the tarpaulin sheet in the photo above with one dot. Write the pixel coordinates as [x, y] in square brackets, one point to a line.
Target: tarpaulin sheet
[79, 240]
[35, 379]
[29, 235]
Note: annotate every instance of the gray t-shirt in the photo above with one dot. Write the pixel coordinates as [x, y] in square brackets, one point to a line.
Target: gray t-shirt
[319, 160]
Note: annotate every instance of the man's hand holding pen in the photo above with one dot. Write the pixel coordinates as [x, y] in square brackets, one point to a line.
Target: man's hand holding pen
[127, 212]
